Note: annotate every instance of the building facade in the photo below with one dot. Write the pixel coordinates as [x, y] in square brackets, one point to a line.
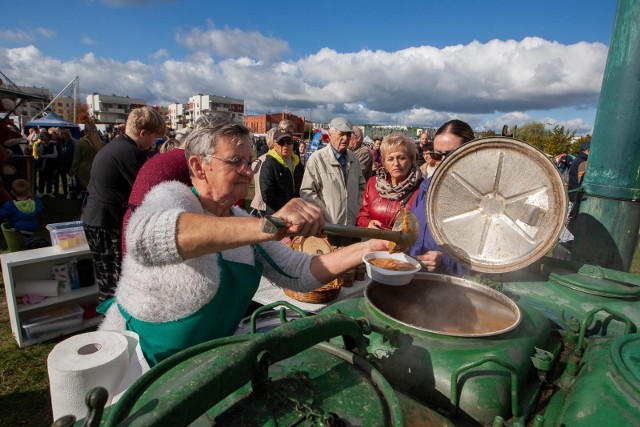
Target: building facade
[200, 104]
[261, 124]
[31, 108]
[112, 109]
[176, 115]
[64, 107]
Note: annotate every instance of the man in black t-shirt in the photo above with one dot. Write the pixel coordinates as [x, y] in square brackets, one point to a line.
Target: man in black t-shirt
[113, 172]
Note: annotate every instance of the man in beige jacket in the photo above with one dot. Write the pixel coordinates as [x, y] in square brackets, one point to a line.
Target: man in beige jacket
[333, 179]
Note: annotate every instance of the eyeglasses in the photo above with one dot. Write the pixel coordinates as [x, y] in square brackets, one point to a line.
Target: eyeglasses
[285, 141]
[439, 155]
[240, 164]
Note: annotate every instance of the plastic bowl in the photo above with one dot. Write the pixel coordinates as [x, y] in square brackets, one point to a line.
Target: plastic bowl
[390, 277]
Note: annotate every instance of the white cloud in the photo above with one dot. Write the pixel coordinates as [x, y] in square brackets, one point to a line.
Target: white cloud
[233, 43]
[125, 3]
[160, 53]
[424, 85]
[88, 40]
[21, 36]
[15, 35]
[45, 32]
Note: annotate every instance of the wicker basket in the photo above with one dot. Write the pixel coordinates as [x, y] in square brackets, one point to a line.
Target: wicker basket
[327, 293]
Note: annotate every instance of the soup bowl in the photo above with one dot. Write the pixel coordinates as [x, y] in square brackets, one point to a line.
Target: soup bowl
[387, 276]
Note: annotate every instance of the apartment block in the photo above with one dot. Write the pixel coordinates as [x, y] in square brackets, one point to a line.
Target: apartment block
[31, 108]
[64, 107]
[112, 109]
[176, 115]
[199, 104]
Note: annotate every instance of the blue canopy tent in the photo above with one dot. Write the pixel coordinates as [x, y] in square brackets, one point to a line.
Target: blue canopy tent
[52, 120]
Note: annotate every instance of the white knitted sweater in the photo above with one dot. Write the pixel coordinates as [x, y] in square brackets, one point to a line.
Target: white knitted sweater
[157, 285]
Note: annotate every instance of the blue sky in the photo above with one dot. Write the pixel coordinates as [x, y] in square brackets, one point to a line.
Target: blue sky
[407, 62]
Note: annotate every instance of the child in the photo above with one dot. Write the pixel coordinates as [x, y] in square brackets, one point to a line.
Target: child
[23, 212]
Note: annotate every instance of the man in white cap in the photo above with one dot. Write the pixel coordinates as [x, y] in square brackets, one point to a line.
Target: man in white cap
[333, 179]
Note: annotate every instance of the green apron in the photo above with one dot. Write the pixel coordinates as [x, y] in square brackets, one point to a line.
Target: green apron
[218, 318]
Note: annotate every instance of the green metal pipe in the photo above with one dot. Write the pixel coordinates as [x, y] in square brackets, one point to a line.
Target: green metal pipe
[609, 216]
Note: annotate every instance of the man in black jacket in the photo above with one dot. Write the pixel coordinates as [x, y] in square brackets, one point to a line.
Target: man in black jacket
[281, 173]
[113, 172]
[577, 168]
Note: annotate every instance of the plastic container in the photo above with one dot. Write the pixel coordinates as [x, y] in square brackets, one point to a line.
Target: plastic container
[67, 235]
[390, 277]
[55, 319]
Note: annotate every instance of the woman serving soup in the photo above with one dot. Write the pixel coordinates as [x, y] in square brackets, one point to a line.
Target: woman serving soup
[394, 184]
[194, 261]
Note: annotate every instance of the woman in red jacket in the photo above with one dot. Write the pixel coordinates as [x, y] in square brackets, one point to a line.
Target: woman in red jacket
[394, 184]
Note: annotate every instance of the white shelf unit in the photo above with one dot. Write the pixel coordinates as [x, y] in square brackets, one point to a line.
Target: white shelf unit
[36, 264]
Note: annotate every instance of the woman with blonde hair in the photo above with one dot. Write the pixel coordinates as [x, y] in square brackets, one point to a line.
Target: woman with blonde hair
[86, 149]
[394, 184]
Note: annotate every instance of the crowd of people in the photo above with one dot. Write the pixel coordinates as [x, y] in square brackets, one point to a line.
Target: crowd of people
[178, 261]
[192, 259]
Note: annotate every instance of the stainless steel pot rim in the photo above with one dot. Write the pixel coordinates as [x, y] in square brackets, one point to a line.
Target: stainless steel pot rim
[454, 281]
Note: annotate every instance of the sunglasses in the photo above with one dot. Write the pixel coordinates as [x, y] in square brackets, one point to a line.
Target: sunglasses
[285, 141]
[439, 155]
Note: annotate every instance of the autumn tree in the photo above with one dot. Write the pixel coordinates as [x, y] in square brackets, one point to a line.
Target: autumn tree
[533, 133]
[82, 112]
[485, 133]
[558, 141]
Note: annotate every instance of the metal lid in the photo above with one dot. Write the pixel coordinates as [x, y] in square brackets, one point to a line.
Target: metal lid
[496, 204]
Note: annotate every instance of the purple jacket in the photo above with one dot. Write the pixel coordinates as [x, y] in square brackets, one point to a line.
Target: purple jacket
[425, 240]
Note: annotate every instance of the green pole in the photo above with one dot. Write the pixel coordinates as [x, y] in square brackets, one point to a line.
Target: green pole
[609, 218]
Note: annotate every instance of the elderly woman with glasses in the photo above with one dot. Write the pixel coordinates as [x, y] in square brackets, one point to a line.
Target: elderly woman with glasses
[281, 173]
[194, 261]
[394, 185]
[449, 136]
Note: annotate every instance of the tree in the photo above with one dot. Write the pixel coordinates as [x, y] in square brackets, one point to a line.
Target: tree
[486, 133]
[533, 133]
[558, 141]
[82, 112]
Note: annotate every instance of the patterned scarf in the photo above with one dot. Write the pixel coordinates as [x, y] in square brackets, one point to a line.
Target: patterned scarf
[398, 191]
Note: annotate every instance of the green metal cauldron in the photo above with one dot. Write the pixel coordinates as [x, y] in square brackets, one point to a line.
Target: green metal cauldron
[287, 376]
[454, 345]
[603, 389]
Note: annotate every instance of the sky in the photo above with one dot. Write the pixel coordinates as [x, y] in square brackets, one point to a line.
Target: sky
[414, 63]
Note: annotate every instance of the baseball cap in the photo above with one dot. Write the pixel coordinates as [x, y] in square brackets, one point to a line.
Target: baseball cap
[342, 124]
[280, 134]
[585, 145]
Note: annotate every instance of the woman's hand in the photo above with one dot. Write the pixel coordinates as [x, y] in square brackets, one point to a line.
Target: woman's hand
[377, 245]
[431, 260]
[374, 223]
[302, 219]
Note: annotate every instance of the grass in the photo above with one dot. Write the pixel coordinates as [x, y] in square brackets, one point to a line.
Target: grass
[24, 385]
[24, 382]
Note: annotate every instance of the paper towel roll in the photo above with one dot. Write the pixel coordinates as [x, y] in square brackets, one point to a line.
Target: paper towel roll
[82, 362]
[45, 288]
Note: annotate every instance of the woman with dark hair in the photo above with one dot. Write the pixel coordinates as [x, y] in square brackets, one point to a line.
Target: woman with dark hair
[449, 137]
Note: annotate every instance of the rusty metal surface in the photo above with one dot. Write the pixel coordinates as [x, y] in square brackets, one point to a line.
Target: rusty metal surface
[496, 205]
[446, 305]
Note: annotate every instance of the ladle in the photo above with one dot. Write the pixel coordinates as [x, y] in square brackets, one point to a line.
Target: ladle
[403, 235]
